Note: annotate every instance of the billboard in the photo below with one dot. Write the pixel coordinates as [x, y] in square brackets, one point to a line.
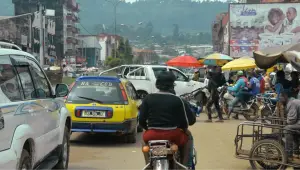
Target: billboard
[271, 1]
[257, 26]
[274, 1]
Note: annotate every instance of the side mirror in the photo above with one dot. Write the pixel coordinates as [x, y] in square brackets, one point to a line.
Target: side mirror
[61, 90]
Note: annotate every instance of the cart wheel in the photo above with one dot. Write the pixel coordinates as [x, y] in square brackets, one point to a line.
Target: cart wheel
[268, 150]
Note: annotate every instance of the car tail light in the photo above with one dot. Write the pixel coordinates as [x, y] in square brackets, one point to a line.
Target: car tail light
[78, 113]
[124, 95]
[109, 114]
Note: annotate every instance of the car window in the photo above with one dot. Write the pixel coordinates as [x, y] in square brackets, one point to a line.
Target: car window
[129, 69]
[139, 72]
[39, 79]
[10, 90]
[84, 92]
[22, 67]
[179, 76]
[131, 91]
[158, 70]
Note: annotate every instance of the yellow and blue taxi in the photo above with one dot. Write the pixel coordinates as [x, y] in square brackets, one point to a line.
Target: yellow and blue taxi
[104, 104]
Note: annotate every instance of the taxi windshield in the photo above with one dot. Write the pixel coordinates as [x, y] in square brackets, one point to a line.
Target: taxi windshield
[95, 91]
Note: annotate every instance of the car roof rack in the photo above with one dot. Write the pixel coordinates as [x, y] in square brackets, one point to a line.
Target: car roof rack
[9, 46]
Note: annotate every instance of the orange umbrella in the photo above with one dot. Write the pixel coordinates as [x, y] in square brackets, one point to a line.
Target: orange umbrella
[184, 61]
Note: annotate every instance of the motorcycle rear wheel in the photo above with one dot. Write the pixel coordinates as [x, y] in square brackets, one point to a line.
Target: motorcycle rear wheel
[252, 113]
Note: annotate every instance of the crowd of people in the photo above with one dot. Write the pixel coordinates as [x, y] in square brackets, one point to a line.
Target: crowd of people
[285, 84]
[166, 116]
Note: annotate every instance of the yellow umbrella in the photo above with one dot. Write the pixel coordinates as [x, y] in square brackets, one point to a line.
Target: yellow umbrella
[240, 64]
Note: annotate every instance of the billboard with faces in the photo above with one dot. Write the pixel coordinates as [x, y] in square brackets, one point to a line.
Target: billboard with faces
[258, 26]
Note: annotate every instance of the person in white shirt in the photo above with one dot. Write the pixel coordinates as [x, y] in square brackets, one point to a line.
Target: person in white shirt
[291, 23]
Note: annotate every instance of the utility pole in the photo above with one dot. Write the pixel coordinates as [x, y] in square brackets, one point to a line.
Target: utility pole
[115, 44]
[30, 33]
[41, 16]
[115, 3]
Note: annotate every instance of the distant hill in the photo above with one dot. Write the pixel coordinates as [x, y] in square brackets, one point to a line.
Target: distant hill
[163, 14]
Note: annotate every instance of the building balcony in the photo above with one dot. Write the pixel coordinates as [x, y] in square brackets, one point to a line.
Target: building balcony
[73, 29]
[71, 17]
[71, 4]
[70, 52]
[72, 40]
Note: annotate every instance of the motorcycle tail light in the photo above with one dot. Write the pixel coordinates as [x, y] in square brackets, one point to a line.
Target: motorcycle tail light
[146, 149]
[174, 148]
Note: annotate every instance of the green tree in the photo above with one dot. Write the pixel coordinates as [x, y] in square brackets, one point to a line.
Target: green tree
[128, 52]
[113, 62]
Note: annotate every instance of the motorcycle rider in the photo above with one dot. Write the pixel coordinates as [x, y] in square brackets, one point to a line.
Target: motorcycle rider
[216, 80]
[254, 86]
[166, 116]
[237, 89]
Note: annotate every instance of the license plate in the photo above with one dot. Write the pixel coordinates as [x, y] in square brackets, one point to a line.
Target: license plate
[92, 113]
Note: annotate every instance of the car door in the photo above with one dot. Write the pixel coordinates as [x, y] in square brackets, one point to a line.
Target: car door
[34, 111]
[51, 106]
[133, 102]
[182, 84]
[10, 100]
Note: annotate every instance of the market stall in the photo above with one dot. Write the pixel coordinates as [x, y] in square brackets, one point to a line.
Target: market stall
[269, 57]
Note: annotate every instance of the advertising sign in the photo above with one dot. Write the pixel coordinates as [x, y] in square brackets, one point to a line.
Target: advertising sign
[257, 26]
[271, 1]
[278, 1]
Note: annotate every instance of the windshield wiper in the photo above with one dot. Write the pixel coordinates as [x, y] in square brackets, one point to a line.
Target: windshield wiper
[91, 99]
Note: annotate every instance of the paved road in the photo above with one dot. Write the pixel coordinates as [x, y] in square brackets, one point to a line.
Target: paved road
[214, 143]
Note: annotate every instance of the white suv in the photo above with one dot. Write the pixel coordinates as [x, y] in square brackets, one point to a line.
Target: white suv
[34, 122]
[143, 77]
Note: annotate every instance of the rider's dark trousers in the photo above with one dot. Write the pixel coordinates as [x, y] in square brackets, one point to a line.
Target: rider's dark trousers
[214, 99]
[291, 139]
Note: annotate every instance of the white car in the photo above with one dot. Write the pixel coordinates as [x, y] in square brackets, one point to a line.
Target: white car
[143, 77]
[34, 122]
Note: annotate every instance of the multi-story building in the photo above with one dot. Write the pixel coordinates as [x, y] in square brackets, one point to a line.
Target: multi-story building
[66, 17]
[107, 42]
[90, 48]
[71, 31]
[218, 32]
[143, 56]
